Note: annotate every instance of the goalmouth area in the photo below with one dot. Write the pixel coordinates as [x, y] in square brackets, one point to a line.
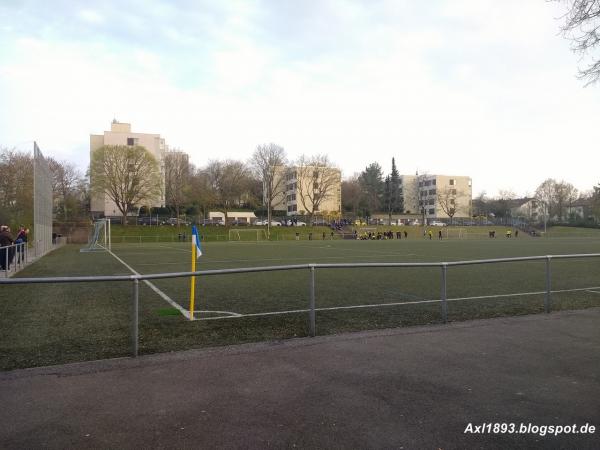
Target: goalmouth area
[44, 324]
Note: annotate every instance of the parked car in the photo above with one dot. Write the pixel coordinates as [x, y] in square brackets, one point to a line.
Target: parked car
[173, 221]
[149, 220]
[240, 223]
[299, 224]
[211, 222]
[320, 223]
[437, 224]
[265, 223]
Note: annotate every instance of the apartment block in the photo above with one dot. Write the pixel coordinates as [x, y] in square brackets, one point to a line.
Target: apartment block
[305, 187]
[121, 134]
[437, 195]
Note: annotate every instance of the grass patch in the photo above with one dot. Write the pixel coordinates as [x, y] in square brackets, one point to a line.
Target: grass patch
[162, 312]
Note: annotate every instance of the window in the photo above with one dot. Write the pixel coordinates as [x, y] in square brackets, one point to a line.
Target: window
[130, 141]
[433, 182]
[452, 182]
[431, 191]
[452, 202]
[431, 211]
[431, 201]
[453, 191]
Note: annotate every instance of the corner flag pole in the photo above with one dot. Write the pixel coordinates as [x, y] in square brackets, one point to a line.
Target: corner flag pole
[193, 278]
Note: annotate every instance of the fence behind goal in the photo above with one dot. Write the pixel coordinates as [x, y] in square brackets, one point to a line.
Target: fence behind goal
[42, 203]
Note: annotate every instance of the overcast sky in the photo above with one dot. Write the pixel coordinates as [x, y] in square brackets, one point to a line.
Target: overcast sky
[464, 87]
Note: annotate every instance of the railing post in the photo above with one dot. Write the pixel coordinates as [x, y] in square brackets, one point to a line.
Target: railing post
[311, 312]
[547, 298]
[134, 321]
[6, 251]
[443, 293]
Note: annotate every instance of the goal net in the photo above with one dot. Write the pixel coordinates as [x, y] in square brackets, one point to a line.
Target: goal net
[99, 239]
[249, 235]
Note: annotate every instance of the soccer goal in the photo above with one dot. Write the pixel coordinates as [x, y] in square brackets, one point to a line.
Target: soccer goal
[248, 235]
[456, 233]
[100, 239]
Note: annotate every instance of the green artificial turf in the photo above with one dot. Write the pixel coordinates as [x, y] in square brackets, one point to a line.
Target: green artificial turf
[56, 323]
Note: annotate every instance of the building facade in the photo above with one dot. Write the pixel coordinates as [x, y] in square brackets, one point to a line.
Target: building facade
[309, 190]
[121, 134]
[529, 209]
[437, 196]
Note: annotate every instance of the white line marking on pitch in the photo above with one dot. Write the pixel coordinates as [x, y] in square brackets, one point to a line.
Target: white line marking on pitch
[164, 296]
[376, 305]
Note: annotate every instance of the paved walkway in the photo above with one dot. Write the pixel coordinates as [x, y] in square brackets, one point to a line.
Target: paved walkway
[404, 388]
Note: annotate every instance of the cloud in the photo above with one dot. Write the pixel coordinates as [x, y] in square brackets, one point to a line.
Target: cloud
[441, 86]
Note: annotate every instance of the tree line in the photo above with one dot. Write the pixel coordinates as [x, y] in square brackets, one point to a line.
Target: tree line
[69, 186]
[131, 177]
[369, 192]
[556, 197]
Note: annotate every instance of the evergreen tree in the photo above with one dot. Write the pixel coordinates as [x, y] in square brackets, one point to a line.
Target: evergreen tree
[392, 197]
[398, 198]
[372, 187]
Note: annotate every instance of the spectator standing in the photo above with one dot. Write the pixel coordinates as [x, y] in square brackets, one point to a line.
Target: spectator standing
[7, 252]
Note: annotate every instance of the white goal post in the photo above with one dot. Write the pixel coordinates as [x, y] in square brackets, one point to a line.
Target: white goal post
[100, 238]
[248, 234]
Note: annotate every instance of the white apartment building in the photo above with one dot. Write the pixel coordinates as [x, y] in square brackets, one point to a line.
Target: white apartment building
[303, 187]
[435, 195]
[121, 134]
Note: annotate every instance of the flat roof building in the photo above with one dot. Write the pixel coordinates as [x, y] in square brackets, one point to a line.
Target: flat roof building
[437, 196]
[121, 134]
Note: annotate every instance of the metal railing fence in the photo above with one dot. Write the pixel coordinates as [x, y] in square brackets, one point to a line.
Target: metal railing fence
[13, 258]
[312, 268]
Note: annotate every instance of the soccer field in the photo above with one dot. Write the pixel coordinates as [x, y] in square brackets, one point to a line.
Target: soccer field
[44, 324]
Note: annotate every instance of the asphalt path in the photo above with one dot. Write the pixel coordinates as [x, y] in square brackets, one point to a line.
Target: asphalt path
[408, 388]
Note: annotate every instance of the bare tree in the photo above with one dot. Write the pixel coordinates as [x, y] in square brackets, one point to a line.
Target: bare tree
[564, 194]
[351, 194]
[228, 181]
[595, 202]
[66, 183]
[129, 175]
[268, 162]
[317, 180]
[16, 187]
[582, 28]
[447, 198]
[201, 192]
[177, 180]
[545, 194]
